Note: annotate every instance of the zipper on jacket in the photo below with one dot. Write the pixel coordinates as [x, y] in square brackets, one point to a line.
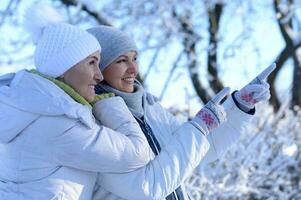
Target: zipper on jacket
[155, 146]
[152, 141]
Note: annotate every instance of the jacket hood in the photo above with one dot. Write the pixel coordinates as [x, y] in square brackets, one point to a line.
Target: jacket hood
[25, 96]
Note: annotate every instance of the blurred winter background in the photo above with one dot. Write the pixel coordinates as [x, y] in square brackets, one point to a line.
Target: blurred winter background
[189, 50]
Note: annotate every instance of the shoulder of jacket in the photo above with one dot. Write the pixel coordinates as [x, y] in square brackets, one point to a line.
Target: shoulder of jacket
[151, 99]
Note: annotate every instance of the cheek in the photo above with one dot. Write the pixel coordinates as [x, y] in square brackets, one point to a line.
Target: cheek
[113, 81]
[78, 80]
[85, 76]
[111, 76]
[114, 71]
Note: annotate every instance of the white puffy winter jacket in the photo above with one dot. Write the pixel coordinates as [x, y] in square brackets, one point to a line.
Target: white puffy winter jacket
[183, 148]
[51, 147]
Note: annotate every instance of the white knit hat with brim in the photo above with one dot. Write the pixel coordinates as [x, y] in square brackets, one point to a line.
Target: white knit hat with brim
[59, 45]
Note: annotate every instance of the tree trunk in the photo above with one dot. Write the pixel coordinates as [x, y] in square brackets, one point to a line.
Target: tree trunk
[214, 21]
[296, 89]
[190, 40]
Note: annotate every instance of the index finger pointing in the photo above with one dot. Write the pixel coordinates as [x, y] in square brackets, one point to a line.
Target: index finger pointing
[222, 94]
[263, 75]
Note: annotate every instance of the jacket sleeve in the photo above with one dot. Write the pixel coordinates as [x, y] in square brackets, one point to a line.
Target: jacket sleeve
[228, 133]
[102, 149]
[177, 159]
[225, 135]
[166, 172]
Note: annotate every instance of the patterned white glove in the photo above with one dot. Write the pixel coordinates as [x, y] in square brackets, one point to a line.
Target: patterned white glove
[257, 90]
[213, 113]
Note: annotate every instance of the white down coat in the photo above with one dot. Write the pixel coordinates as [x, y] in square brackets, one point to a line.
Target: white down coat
[182, 150]
[51, 147]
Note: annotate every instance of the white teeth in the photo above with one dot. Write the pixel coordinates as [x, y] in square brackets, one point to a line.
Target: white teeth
[128, 79]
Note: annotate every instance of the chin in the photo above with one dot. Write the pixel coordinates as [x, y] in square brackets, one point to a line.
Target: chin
[125, 89]
[129, 90]
[90, 98]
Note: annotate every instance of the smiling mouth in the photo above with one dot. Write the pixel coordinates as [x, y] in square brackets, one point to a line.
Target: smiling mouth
[129, 80]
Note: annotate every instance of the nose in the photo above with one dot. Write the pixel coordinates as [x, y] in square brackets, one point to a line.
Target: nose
[98, 75]
[132, 68]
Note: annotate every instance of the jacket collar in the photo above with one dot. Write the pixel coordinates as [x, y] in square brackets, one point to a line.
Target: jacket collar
[33, 94]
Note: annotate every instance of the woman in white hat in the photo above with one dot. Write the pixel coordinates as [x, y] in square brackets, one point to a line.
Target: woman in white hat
[177, 148]
[51, 146]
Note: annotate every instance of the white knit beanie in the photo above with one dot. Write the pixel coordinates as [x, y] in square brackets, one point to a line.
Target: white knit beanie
[59, 45]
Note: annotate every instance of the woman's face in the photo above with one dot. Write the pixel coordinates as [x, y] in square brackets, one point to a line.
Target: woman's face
[83, 76]
[121, 73]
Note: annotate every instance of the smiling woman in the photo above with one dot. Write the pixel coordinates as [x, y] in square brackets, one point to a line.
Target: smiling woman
[51, 145]
[84, 76]
[177, 147]
[122, 72]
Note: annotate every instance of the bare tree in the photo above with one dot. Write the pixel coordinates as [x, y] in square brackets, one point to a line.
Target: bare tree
[189, 23]
[285, 19]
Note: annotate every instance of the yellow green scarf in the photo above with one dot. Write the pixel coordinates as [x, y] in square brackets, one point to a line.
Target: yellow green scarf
[71, 92]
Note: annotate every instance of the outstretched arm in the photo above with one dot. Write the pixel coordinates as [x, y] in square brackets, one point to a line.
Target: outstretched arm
[176, 161]
[238, 108]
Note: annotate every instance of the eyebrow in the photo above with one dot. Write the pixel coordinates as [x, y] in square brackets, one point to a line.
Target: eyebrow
[126, 56]
[94, 57]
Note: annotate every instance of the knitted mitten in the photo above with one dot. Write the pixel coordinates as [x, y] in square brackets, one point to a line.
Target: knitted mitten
[212, 115]
[257, 90]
